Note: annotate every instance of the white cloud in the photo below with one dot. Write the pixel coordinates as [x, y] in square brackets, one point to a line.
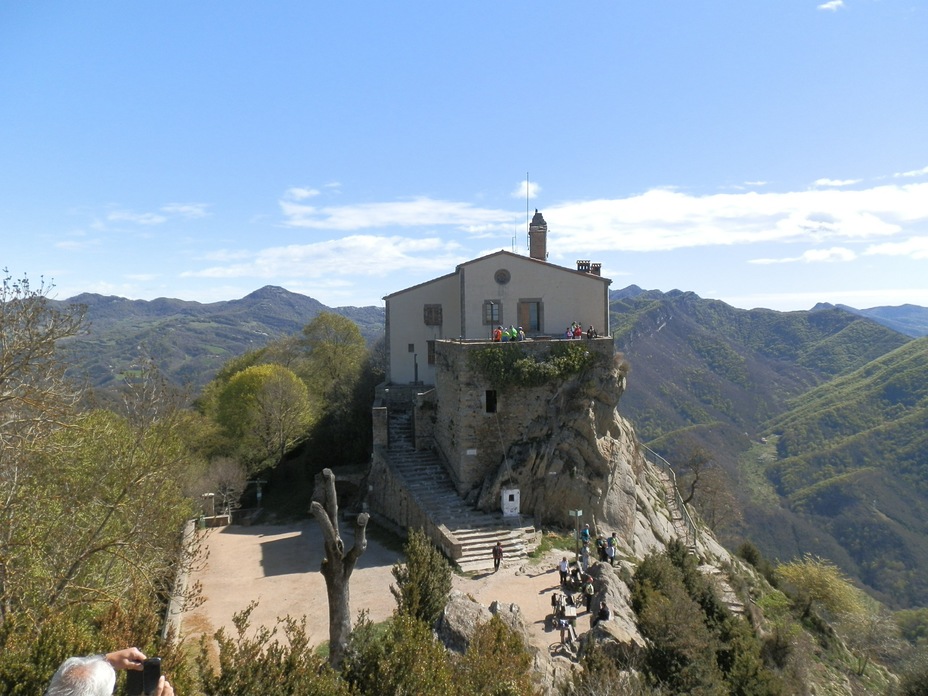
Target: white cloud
[914, 172]
[836, 182]
[186, 210]
[832, 255]
[662, 220]
[832, 5]
[530, 187]
[137, 218]
[915, 248]
[417, 212]
[77, 244]
[358, 255]
[301, 194]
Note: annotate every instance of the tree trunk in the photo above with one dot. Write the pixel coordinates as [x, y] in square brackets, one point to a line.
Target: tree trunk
[337, 565]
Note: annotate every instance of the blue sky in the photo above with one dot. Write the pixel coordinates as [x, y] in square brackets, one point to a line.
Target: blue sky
[767, 153]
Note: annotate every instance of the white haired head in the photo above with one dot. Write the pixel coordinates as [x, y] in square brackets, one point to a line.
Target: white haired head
[83, 676]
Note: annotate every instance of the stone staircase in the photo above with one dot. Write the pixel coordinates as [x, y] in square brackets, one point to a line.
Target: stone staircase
[426, 479]
[726, 592]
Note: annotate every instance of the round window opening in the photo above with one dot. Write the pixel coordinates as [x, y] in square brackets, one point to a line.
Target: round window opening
[502, 276]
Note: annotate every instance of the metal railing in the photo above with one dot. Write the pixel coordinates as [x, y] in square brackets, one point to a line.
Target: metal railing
[684, 513]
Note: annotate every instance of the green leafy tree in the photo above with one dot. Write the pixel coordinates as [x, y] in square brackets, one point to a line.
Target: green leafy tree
[682, 650]
[496, 662]
[263, 664]
[265, 409]
[335, 353]
[409, 661]
[112, 504]
[818, 582]
[100, 546]
[601, 675]
[423, 582]
[913, 625]
[35, 402]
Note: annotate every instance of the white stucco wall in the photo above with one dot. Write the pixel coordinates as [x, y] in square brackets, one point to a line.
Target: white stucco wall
[406, 325]
[566, 296]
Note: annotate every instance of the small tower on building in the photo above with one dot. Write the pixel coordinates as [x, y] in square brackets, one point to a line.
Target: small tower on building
[538, 237]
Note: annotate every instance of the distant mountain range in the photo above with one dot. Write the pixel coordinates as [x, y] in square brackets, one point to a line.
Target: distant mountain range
[816, 417]
[907, 319]
[190, 341]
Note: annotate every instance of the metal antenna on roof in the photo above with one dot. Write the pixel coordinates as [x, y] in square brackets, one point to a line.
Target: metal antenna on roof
[527, 219]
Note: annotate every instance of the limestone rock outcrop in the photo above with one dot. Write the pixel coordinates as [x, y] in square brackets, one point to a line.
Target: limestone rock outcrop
[572, 450]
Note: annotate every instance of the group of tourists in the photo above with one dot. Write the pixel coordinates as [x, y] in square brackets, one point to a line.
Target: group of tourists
[510, 334]
[575, 330]
[577, 585]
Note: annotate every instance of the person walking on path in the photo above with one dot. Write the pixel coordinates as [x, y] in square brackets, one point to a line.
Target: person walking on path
[497, 555]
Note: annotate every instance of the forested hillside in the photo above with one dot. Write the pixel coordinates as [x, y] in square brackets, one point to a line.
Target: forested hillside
[190, 341]
[803, 431]
[851, 457]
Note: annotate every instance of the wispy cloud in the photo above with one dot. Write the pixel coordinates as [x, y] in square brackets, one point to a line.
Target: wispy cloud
[358, 255]
[832, 5]
[299, 193]
[136, 218]
[186, 210]
[832, 255]
[914, 248]
[662, 220]
[915, 172]
[77, 244]
[836, 182]
[417, 212]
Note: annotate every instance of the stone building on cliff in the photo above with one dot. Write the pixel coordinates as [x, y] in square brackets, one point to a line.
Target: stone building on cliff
[447, 438]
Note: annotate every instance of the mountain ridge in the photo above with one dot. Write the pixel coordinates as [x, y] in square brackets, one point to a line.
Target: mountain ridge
[189, 340]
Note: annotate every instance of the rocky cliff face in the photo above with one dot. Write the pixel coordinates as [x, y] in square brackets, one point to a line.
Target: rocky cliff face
[576, 452]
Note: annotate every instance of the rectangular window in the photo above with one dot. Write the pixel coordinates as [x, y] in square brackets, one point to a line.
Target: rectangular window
[492, 312]
[431, 347]
[531, 315]
[412, 347]
[431, 314]
[491, 401]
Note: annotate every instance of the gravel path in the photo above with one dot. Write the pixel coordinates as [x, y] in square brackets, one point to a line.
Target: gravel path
[278, 566]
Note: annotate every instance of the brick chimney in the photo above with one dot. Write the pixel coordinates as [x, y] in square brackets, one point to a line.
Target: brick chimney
[587, 267]
[537, 237]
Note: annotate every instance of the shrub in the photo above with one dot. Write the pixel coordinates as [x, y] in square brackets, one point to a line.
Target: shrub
[423, 582]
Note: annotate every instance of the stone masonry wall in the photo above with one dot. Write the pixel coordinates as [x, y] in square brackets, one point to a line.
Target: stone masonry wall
[562, 445]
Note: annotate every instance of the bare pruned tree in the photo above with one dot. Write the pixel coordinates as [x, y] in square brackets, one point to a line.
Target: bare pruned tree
[337, 565]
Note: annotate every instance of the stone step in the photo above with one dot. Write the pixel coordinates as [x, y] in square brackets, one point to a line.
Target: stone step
[426, 479]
